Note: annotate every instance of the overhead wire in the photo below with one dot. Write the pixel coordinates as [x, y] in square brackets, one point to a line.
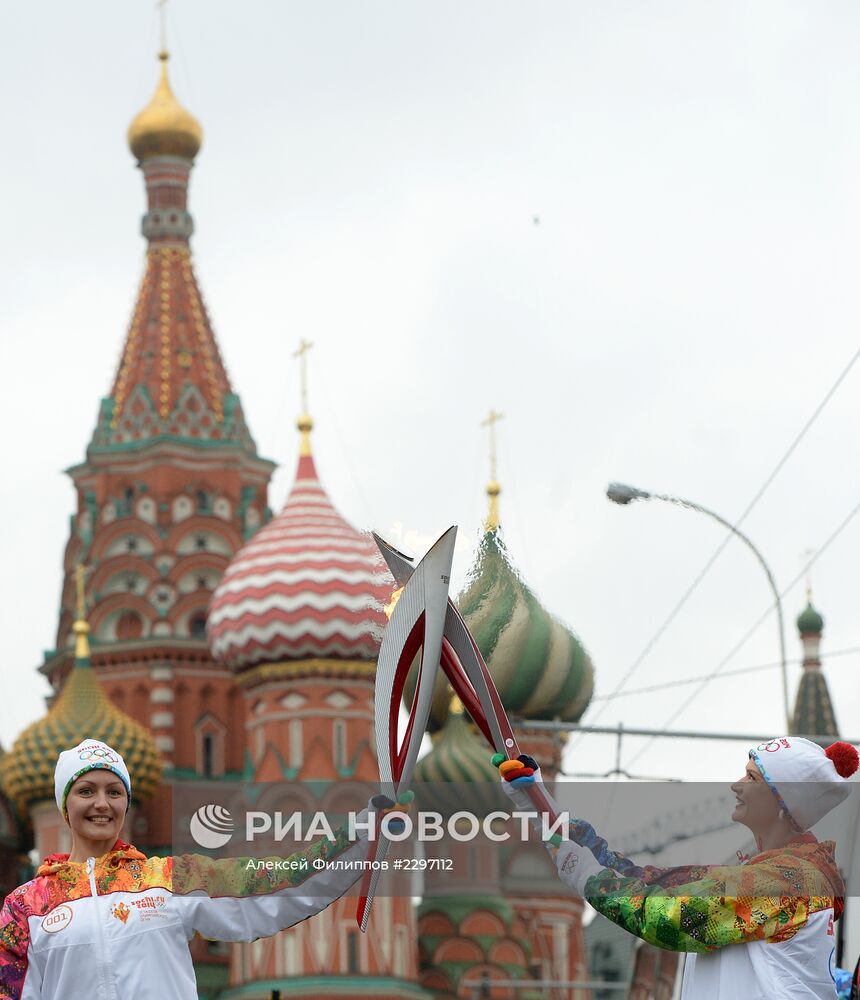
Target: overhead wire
[751, 630]
[686, 681]
[728, 536]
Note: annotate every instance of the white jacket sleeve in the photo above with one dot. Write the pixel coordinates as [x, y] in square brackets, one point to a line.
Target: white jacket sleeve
[242, 899]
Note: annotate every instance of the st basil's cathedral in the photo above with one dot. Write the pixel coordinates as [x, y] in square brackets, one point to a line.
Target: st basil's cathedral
[204, 637]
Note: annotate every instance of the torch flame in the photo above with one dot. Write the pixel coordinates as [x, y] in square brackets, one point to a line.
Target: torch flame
[392, 603]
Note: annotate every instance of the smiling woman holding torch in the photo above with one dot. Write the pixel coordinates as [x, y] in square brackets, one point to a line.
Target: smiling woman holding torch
[106, 922]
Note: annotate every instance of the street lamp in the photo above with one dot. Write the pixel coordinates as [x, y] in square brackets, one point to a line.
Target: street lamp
[623, 494]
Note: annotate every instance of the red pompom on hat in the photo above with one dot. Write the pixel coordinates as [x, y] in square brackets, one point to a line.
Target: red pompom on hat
[845, 758]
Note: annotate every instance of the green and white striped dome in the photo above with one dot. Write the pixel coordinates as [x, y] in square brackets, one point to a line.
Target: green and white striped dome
[540, 667]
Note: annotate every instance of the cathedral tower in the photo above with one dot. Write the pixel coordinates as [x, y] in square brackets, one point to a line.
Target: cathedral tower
[298, 617]
[170, 487]
[813, 709]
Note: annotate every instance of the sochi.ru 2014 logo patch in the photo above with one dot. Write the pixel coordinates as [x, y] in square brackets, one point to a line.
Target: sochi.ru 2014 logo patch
[57, 920]
[150, 907]
[120, 911]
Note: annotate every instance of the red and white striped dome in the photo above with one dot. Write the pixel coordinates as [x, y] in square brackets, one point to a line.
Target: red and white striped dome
[306, 585]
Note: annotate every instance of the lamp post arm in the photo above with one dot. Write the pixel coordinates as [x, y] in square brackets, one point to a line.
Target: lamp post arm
[678, 501]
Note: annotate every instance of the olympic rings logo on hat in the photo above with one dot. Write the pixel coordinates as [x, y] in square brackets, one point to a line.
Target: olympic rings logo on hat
[773, 746]
[98, 753]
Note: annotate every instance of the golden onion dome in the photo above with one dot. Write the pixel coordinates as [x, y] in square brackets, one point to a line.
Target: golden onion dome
[81, 711]
[164, 127]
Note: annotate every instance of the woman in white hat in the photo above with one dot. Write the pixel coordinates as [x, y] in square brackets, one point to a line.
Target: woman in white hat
[761, 929]
[106, 922]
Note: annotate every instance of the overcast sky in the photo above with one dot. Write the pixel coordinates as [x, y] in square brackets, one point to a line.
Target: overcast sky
[633, 228]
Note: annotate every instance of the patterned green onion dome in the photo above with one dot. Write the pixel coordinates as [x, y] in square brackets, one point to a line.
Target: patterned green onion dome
[540, 667]
[460, 757]
[810, 621]
[82, 711]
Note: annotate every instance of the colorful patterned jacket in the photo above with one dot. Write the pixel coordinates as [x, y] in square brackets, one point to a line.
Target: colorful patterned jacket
[781, 904]
[117, 928]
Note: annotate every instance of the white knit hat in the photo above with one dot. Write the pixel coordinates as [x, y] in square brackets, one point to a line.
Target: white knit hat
[807, 780]
[88, 755]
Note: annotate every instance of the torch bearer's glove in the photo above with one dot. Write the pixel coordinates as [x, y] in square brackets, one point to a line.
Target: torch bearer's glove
[517, 776]
[521, 771]
[575, 865]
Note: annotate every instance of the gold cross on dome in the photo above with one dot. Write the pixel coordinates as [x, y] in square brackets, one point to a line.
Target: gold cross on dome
[491, 422]
[301, 354]
[493, 488]
[80, 628]
[305, 424]
[80, 585]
